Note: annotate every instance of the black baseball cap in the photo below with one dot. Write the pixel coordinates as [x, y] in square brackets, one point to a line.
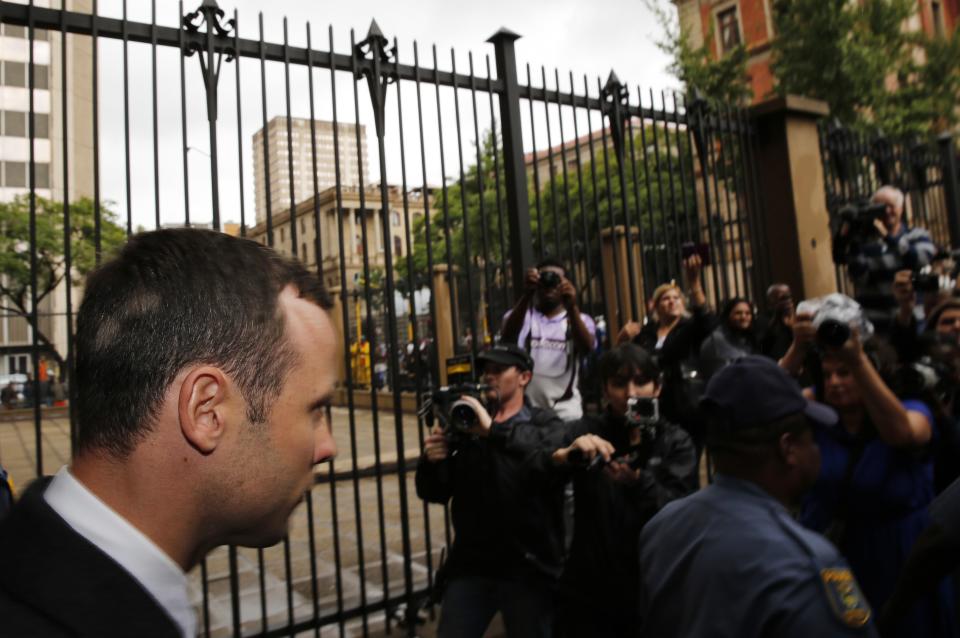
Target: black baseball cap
[508, 354]
[754, 391]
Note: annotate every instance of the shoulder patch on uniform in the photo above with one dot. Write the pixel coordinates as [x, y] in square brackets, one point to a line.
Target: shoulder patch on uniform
[846, 599]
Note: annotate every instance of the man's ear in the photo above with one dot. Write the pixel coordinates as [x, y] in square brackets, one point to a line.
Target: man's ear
[525, 377]
[787, 446]
[202, 408]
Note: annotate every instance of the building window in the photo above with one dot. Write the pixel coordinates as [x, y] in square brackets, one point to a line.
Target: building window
[303, 252]
[283, 234]
[41, 76]
[729, 29]
[14, 123]
[15, 174]
[395, 218]
[41, 125]
[14, 73]
[397, 247]
[42, 175]
[936, 11]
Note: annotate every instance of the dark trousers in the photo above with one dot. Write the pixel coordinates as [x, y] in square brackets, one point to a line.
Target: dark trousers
[469, 605]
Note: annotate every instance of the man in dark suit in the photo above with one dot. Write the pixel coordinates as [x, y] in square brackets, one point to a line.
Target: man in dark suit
[205, 364]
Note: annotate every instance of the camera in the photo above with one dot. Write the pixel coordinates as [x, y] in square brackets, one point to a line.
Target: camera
[921, 378]
[549, 279]
[455, 414]
[642, 413]
[832, 333]
[860, 217]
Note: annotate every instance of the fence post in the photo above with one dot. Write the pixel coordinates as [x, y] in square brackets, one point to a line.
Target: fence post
[518, 206]
[790, 175]
[951, 185]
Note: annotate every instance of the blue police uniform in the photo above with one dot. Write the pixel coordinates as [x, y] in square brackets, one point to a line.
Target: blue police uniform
[731, 561]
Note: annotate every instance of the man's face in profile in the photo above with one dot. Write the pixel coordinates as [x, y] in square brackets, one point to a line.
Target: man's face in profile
[278, 456]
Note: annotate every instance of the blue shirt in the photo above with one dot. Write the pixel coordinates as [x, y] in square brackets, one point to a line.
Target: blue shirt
[731, 561]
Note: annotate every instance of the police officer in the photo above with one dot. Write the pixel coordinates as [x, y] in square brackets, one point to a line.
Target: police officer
[507, 505]
[730, 560]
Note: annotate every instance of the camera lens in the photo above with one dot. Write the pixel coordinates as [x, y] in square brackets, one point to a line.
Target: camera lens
[833, 333]
[462, 416]
[549, 279]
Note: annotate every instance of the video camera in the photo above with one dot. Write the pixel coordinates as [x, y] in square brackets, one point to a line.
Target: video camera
[445, 403]
[860, 217]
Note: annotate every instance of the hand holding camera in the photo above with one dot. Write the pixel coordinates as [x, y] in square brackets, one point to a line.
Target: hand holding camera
[586, 451]
[435, 446]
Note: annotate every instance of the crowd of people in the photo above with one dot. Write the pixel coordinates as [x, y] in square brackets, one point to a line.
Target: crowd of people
[830, 428]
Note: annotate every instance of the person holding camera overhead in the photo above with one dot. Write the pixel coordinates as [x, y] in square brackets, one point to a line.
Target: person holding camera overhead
[875, 242]
[507, 504]
[627, 464]
[546, 322]
[875, 482]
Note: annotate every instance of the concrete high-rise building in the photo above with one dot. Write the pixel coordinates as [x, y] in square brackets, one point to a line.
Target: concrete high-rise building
[302, 151]
[15, 338]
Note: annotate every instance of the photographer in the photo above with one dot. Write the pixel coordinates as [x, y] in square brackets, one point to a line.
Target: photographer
[627, 464]
[875, 251]
[546, 322]
[876, 477]
[506, 505]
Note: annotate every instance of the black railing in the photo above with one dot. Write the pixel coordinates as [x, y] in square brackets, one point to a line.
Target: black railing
[624, 178]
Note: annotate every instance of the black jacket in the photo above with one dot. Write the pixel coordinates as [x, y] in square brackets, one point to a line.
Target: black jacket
[507, 500]
[603, 566]
[57, 583]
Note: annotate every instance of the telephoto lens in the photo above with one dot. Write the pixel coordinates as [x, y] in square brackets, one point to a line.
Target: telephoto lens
[833, 333]
[462, 416]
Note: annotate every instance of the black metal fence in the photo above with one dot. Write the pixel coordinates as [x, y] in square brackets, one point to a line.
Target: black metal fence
[610, 179]
[856, 164]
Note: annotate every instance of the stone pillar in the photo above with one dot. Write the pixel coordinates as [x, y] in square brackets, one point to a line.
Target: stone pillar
[795, 228]
[443, 295]
[617, 300]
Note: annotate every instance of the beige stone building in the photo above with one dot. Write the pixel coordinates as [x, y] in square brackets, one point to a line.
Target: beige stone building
[15, 337]
[352, 229]
[301, 150]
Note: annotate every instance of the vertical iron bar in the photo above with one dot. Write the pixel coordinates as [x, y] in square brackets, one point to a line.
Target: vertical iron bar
[702, 127]
[205, 581]
[484, 229]
[727, 222]
[288, 578]
[515, 172]
[183, 124]
[371, 331]
[268, 204]
[674, 216]
[126, 120]
[262, 577]
[574, 264]
[348, 366]
[670, 263]
[312, 548]
[720, 236]
[234, 589]
[583, 206]
[687, 234]
[496, 180]
[627, 226]
[536, 175]
[34, 300]
[611, 215]
[467, 258]
[749, 290]
[650, 209]
[212, 75]
[428, 234]
[451, 274]
[236, 46]
[951, 185]
[292, 215]
[637, 199]
[553, 171]
[94, 35]
[156, 132]
[67, 236]
[757, 220]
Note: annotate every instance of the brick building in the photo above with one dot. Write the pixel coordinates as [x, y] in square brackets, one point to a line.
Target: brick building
[728, 23]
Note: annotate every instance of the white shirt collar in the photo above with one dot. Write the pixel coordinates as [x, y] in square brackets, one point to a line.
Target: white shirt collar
[129, 547]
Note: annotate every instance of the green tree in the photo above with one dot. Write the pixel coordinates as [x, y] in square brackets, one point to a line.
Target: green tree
[51, 269]
[722, 79]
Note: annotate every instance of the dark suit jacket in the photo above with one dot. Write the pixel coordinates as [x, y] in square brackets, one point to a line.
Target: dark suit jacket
[54, 582]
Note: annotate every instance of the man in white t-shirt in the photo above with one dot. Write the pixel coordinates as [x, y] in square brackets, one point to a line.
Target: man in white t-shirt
[205, 365]
[547, 322]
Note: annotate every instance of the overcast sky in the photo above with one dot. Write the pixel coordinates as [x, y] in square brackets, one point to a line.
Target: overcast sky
[566, 35]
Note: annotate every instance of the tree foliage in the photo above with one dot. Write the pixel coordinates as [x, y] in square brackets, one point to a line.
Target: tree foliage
[723, 79]
[15, 250]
